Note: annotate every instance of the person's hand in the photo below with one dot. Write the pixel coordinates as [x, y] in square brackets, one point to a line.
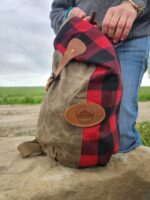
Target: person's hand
[118, 21]
[79, 13]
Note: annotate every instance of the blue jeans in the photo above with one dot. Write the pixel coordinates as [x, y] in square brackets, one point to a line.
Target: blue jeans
[133, 58]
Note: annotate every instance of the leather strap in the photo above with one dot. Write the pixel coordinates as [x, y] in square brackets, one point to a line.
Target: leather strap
[75, 48]
[29, 148]
[93, 17]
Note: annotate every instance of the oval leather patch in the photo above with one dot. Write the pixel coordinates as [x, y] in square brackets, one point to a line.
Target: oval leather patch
[84, 114]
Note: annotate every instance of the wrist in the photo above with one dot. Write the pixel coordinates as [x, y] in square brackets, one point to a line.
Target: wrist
[138, 5]
[129, 5]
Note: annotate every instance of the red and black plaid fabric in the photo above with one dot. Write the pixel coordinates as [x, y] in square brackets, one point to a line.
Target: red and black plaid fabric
[105, 88]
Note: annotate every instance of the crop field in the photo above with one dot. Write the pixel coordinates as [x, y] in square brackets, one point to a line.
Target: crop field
[34, 95]
[144, 94]
[21, 95]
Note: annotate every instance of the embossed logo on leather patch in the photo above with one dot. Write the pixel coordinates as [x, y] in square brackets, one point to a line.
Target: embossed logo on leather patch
[84, 114]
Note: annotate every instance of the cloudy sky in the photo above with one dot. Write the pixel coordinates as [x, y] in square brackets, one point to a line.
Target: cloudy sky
[26, 43]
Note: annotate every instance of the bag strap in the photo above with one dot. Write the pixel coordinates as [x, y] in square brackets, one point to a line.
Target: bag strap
[93, 17]
[29, 148]
[75, 48]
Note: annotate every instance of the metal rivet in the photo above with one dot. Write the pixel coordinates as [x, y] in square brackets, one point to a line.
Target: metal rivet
[72, 50]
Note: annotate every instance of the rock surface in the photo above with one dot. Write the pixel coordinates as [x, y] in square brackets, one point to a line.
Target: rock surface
[126, 177]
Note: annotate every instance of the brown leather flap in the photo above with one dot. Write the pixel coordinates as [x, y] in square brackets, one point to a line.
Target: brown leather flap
[75, 48]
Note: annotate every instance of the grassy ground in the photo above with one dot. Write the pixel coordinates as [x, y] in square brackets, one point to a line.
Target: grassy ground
[34, 95]
[144, 94]
[144, 129]
[21, 95]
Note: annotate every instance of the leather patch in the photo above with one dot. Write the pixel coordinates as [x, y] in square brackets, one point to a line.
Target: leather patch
[85, 114]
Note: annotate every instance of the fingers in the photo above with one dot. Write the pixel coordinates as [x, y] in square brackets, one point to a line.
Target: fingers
[118, 21]
[87, 18]
[106, 21]
[120, 28]
[82, 14]
[113, 25]
[127, 29]
[78, 12]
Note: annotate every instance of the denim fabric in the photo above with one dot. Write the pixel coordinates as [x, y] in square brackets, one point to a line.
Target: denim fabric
[133, 58]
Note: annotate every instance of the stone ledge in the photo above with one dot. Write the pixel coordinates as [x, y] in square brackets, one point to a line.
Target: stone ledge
[126, 177]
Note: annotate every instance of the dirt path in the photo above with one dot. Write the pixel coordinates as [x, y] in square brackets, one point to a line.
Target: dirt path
[17, 120]
[144, 112]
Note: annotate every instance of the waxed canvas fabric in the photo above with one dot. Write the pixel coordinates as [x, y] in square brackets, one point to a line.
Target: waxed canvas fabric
[94, 76]
[57, 137]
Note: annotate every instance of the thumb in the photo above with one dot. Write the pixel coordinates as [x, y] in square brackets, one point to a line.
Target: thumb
[87, 18]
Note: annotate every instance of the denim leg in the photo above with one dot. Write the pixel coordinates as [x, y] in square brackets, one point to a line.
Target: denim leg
[133, 58]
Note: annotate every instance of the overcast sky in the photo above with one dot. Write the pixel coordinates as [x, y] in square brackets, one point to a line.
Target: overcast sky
[26, 43]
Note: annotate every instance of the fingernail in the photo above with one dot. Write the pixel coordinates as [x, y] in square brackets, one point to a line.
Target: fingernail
[115, 41]
[122, 39]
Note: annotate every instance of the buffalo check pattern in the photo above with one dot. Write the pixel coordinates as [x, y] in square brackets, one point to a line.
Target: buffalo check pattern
[105, 88]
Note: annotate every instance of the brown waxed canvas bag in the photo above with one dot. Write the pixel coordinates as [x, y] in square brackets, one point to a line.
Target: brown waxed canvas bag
[77, 123]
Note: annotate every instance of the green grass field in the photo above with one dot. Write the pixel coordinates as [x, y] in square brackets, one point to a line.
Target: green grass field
[34, 95]
[21, 95]
[144, 94]
[144, 129]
